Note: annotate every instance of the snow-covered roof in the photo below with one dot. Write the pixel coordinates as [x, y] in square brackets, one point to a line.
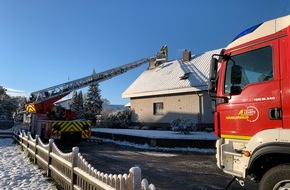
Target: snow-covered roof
[173, 77]
[113, 107]
[16, 93]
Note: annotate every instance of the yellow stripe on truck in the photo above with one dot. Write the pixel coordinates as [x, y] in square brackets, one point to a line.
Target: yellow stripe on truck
[241, 137]
[30, 108]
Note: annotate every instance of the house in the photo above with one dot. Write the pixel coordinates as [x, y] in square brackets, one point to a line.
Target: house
[172, 89]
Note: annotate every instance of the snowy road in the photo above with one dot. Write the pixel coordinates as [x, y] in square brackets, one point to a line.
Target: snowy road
[166, 170]
[17, 172]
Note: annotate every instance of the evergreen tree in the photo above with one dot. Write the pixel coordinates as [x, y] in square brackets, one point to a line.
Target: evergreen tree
[93, 102]
[73, 101]
[80, 106]
[8, 105]
[21, 104]
[18, 117]
[106, 101]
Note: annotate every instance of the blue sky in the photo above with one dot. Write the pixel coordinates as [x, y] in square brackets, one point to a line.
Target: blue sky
[45, 43]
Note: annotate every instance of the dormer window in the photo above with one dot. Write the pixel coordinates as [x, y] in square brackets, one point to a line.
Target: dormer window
[185, 76]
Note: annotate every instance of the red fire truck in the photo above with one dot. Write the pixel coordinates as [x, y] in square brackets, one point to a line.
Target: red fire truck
[50, 121]
[250, 85]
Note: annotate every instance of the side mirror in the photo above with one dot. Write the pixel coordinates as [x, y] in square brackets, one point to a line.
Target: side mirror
[213, 69]
[212, 75]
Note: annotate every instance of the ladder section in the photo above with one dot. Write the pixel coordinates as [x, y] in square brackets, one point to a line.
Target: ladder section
[64, 89]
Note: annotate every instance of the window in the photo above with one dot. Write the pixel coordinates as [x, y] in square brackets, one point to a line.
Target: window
[255, 66]
[158, 108]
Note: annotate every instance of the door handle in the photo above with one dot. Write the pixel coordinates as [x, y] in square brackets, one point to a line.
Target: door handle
[275, 113]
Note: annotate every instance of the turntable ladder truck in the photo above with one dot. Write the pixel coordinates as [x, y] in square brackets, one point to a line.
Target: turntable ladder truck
[50, 121]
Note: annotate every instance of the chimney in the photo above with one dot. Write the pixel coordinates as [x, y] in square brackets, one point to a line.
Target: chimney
[186, 55]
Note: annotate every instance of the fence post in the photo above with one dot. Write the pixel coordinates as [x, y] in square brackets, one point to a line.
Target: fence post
[29, 138]
[50, 142]
[134, 178]
[27, 143]
[35, 148]
[22, 140]
[75, 152]
[16, 134]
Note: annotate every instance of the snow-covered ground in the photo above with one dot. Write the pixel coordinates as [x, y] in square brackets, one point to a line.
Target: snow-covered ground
[17, 172]
[159, 135]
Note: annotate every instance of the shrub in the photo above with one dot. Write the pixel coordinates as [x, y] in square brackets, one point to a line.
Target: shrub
[119, 119]
[182, 125]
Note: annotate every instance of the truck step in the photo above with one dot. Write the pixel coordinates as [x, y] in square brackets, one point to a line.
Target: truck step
[234, 173]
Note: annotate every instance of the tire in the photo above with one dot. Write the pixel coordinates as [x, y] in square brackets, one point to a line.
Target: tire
[274, 176]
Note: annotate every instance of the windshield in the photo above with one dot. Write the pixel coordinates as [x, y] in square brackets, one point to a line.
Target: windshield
[256, 66]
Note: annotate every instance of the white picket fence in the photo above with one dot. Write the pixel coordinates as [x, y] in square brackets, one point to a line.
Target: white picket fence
[72, 172]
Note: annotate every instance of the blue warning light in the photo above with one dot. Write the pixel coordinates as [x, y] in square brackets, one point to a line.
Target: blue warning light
[247, 31]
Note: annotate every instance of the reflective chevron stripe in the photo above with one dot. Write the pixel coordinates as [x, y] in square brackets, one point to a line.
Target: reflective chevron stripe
[30, 108]
[57, 127]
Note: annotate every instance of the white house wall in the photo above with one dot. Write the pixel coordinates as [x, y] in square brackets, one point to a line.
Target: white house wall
[196, 107]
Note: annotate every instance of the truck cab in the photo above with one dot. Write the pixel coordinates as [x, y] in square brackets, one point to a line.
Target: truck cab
[250, 85]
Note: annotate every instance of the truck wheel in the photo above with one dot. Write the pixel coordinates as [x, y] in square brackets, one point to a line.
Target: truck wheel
[276, 178]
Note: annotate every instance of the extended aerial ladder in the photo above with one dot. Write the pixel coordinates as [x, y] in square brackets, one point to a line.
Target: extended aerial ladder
[42, 100]
[49, 121]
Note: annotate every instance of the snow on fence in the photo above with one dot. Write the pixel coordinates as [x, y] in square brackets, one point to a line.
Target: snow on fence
[72, 172]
